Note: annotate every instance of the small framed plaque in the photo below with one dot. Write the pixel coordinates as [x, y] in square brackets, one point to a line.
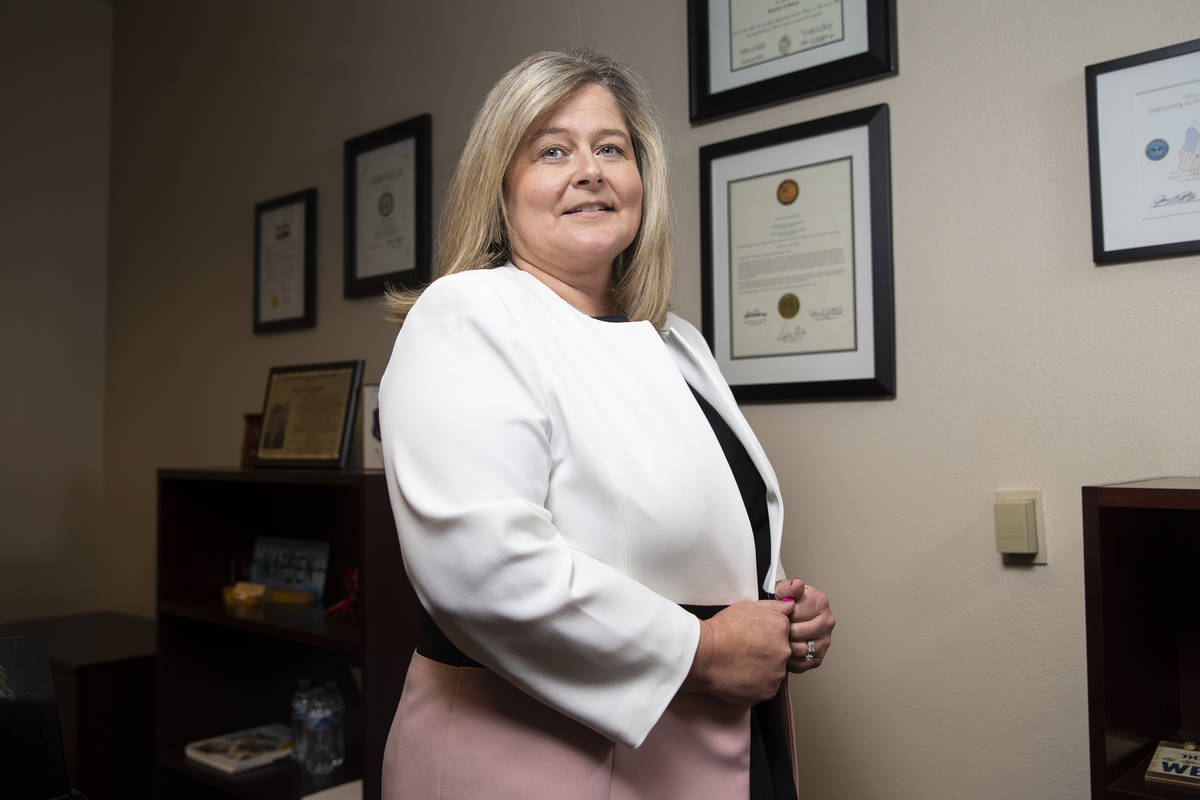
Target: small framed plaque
[388, 216]
[1143, 120]
[744, 54]
[308, 415]
[372, 441]
[285, 263]
[796, 259]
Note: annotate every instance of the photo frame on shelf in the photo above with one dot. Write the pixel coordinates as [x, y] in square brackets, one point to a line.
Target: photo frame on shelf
[388, 208]
[1143, 120]
[308, 415]
[372, 442]
[796, 259]
[745, 54]
[285, 263]
[291, 565]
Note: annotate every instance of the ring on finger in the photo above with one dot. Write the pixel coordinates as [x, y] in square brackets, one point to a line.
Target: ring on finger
[812, 651]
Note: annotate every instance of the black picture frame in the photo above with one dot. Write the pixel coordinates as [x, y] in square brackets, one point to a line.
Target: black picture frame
[308, 415]
[877, 58]
[368, 273]
[865, 365]
[1136, 154]
[288, 307]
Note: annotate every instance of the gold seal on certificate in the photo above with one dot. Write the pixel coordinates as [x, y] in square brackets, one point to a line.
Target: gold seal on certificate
[787, 191]
[789, 306]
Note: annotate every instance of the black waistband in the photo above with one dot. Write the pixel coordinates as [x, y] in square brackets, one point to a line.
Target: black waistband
[436, 646]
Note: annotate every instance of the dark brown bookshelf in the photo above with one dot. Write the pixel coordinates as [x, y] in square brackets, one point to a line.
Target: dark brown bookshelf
[1141, 547]
[221, 669]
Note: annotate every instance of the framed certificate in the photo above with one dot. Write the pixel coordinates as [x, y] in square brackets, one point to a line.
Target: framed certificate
[796, 256]
[372, 439]
[1144, 154]
[748, 53]
[285, 263]
[308, 414]
[388, 217]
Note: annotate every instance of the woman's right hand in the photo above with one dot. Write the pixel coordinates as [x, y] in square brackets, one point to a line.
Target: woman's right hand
[743, 652]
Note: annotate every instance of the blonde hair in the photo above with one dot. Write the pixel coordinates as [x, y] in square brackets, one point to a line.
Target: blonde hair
[473, 233]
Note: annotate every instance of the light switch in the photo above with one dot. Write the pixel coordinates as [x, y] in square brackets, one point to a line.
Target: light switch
[1016, 526]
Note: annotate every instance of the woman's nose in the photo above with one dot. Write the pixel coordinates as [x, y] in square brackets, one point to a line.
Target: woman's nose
[588, 170]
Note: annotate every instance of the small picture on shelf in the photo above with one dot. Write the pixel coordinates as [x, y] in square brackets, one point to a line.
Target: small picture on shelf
[243, 750]
[290, 565]
[1176, 763]
[372, 442]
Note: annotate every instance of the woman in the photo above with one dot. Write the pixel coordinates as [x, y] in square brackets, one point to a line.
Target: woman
[584, 513]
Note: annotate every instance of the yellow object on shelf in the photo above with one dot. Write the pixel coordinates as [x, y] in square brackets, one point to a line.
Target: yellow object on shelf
[244, 593]
[300, 597]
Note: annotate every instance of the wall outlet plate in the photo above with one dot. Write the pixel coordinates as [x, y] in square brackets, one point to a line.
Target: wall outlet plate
[1015, 495]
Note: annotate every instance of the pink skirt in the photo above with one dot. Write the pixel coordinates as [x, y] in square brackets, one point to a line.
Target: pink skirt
[465, 733]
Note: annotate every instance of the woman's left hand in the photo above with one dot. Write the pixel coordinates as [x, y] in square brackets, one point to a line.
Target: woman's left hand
[811, 624]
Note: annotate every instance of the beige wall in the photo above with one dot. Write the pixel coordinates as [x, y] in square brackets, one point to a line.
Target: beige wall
[54, 143]
[1020, 363]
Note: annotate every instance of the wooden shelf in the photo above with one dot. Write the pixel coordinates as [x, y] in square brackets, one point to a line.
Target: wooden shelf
[284, 778]
[307, 625]
[286, 477]
[222, 669]
[1141, 542]
[1133, 783]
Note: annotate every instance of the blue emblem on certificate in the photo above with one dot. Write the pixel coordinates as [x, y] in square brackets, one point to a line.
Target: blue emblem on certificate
[1156, 150]
[386, 204]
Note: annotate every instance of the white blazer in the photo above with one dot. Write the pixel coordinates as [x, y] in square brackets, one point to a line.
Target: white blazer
[558, 492]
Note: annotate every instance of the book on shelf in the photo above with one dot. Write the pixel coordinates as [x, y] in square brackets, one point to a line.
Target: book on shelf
[243, 750]
[1176, 763]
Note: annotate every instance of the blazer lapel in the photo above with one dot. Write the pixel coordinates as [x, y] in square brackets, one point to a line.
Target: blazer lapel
[703, 376]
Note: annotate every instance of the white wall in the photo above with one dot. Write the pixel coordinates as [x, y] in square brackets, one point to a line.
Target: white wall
[1020, 363]
[55, 80]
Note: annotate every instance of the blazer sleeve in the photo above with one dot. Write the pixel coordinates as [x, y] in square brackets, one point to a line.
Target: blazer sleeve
[466, 425]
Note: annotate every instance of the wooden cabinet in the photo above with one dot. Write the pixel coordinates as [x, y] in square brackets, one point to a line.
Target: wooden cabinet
[102, 664]
[1142, 590]
[221, 669]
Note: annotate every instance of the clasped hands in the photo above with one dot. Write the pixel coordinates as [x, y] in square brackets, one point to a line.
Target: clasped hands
[746, 650]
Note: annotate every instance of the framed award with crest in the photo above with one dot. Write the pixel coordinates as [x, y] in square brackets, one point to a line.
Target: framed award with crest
[388, 208]
[1143, 120]
[796, 259]
[744, 54]
[285, 263]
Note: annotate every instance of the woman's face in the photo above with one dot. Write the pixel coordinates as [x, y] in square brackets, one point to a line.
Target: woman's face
[573, 190]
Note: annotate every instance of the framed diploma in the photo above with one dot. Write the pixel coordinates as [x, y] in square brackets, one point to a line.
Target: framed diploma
[1143, 117]
[796, 258]
[285, 263]
[388, 216]
[748, 53]
[308, 415]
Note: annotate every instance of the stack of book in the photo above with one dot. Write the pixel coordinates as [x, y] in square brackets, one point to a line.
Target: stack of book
[243, 750]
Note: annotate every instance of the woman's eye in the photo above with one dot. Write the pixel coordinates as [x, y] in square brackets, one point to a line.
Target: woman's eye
[610, 150]
[553, 152]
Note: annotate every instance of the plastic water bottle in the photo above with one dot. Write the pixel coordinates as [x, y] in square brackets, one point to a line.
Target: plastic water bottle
[325, 730]
[300, 703]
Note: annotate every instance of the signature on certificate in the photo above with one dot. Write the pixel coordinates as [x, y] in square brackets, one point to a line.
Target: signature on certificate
[790, 334]
[826, 313]
[754, 316]
[1173, 200]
